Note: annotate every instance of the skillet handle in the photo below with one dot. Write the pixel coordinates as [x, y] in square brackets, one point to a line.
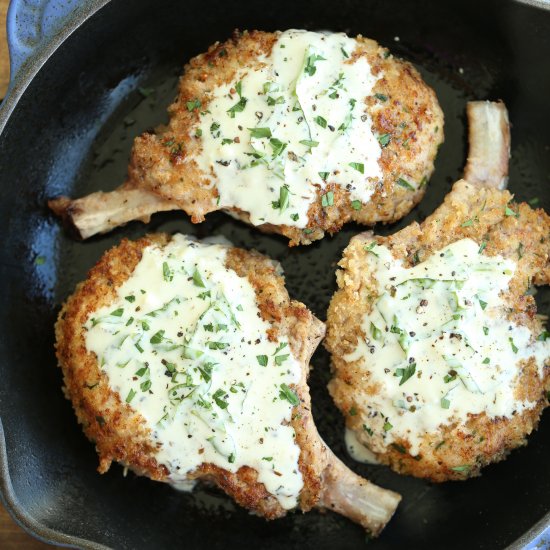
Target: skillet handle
[30, 24]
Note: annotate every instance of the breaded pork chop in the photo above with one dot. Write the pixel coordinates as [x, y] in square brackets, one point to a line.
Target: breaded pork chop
[294, 132]
[441, 364]
[186, 361]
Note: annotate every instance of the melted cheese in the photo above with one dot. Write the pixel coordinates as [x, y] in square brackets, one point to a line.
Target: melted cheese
[184, 344]
[438, 345]
[275, 135]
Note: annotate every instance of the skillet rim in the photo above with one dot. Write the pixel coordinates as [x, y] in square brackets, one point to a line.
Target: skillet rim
[17, 87]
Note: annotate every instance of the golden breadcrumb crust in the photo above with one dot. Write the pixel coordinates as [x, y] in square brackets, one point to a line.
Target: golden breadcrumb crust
[512, 230]
[408, 112]
[120, 433]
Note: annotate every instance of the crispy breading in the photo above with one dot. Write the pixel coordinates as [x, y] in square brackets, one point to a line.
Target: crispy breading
[512, 230]
[120, 433]
[164, 168]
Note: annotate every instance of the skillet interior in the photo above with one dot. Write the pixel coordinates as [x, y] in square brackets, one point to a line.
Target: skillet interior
[71, 133]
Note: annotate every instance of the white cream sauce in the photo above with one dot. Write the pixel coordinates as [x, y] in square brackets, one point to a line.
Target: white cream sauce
[184, 344]
[438, 344]
[357, 450]
[277, 134]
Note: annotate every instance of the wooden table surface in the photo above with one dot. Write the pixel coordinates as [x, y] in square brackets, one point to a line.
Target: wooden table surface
[12, 537]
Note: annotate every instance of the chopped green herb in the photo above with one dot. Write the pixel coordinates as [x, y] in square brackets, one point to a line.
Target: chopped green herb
[130, 321]
[198, 132]
[534, 201]
[482, 247]
[404, 183]
[227, 141]
[486, 361]
[482, 303]
[399, 448]
[369, 248]
[231, 458]
[367, 429]
[327, 199]
[238, 107]
[130, 298]
[267, 458]
[146, 385]
[387, 426]
[39, 260]
[205, 370]
[445, 403]
[277, 145]
[356, 205]
[375, 331]
[543, 336]
[192, 105]
[130, 396]
[197, 279]
[463, 468]
[324, 175]
[158, 337]
[521, 248]
[262, 360]
[359, 166]
[322, 122]
[344, 53]
[509, 212]
[310, 67]
[275, 101]
[217, 345]
[138, 347]
[281, 346]
[468, 223]
[294, 217]
[309, 142]
[405, 372]
[384, 139]
[288, 394]
[219, 397]
[239, 88]
[381, 97]
[282, 203]
[260, 132]
[280, 359]
[167, 273]
[117, 312]
[514, 347]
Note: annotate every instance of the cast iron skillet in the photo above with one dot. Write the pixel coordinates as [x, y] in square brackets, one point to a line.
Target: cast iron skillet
[67, 126]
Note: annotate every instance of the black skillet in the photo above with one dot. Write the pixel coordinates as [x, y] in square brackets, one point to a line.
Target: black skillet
[103, 74]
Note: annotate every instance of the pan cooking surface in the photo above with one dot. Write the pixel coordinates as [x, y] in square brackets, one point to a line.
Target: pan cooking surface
[71, 133]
